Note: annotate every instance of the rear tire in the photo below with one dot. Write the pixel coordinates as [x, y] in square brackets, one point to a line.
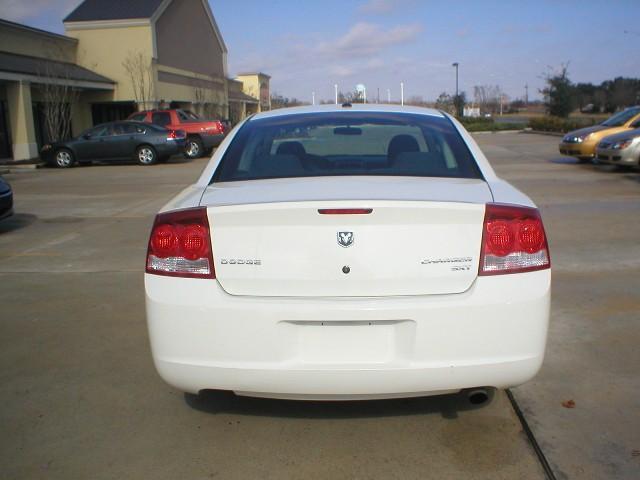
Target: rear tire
[193, 148]
[146, 155]
[64, 158]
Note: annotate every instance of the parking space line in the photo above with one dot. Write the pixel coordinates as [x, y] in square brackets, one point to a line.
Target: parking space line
[532, 439]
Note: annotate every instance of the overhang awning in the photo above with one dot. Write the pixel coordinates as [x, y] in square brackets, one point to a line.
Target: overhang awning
[241, 97]
[40, 70]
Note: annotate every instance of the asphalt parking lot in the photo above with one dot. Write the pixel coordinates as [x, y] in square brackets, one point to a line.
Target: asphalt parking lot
[80, 397]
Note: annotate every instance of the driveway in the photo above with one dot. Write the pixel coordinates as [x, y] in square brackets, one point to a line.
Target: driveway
[591, 214]
[81, 398]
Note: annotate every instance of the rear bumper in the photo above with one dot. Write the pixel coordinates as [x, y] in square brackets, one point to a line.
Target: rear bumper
[173, 147]
[6, 204]
[339, 348]
[210, 141]
[581, 150]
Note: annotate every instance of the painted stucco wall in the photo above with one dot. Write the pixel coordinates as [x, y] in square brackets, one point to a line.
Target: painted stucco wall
[24, 42]
[103, 50]
[194, 48]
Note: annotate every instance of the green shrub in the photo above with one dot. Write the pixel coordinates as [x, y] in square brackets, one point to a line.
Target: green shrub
[556, 124]
[481, 124]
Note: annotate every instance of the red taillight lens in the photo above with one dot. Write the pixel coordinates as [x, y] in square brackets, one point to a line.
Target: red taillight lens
[164, 241]
[180, 245]
[513, 240]
[171, 135]
[193, 241]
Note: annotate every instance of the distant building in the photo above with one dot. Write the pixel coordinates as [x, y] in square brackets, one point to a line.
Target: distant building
[173, 49]
[473, 112]
[256, 85]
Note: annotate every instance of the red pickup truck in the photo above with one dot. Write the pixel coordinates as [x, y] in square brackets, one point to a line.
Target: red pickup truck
[202, 135]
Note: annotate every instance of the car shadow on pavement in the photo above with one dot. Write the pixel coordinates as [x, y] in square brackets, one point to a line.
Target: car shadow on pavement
[448, 406]
[568, 161]
[16, 222]
[176, 159]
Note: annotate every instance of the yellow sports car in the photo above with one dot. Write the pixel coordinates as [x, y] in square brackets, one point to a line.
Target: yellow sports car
[582, 143]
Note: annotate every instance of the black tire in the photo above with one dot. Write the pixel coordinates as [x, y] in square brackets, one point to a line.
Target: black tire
[146, 155]
[64, 158]
[193, 148]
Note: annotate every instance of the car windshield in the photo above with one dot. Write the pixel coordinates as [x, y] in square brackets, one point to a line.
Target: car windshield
[347, 143]
[621, 118]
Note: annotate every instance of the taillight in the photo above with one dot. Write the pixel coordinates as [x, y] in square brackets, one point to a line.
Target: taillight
[172, 135]
[180, 245]
[513, 240]
[220, 127]
[345, 211]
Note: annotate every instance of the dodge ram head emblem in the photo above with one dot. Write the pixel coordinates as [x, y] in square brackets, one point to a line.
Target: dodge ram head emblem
[345, 239]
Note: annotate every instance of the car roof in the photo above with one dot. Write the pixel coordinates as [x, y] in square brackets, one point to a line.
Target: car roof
[133, 122]
[355, 107]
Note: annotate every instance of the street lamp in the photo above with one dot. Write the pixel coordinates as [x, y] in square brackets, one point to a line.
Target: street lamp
[455, 64]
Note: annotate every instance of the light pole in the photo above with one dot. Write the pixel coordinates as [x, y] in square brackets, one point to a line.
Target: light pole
[401, 93]
[313, 98]
[335, 87]
[456, 65]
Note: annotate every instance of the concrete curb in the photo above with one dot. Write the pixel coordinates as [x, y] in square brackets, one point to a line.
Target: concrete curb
[540, 132]
[17, 168]
[486, 132]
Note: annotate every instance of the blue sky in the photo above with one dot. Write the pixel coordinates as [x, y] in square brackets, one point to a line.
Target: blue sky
[309, 45]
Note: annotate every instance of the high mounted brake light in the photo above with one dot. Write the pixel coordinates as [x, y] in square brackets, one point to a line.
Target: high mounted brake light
[345, 211]
[513, 240]
[180, 245]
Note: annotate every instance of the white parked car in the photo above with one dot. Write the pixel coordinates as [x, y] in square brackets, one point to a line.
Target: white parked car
[348, 252]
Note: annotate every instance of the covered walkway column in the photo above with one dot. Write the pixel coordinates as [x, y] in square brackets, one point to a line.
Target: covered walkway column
[21, 120]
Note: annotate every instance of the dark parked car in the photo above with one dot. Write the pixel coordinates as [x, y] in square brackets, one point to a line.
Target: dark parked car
[145, 143]
[202, 135]
[6, 199]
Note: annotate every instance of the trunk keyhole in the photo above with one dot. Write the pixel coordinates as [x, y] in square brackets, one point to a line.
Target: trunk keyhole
[345, 269]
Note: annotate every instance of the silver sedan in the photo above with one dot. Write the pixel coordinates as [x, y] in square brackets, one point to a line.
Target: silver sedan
[620, 149]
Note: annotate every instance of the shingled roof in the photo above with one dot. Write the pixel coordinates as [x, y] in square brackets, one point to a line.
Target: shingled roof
[96, 10]
[45, 68]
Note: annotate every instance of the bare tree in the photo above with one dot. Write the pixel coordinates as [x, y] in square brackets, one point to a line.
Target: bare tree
[205, 100]
[487, 97]
[140, 70]
[58, 94]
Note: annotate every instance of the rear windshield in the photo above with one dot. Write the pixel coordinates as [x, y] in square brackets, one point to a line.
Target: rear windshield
[347, 143]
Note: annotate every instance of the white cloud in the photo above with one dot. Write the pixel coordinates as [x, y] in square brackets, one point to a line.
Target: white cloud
[366, 38]
[377, 6]
[22, 10]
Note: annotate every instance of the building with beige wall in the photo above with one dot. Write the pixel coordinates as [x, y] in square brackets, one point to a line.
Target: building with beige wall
[120, 56]
[256, 85]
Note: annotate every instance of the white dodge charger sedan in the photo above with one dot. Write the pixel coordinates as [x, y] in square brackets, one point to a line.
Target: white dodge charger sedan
[348, 252]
